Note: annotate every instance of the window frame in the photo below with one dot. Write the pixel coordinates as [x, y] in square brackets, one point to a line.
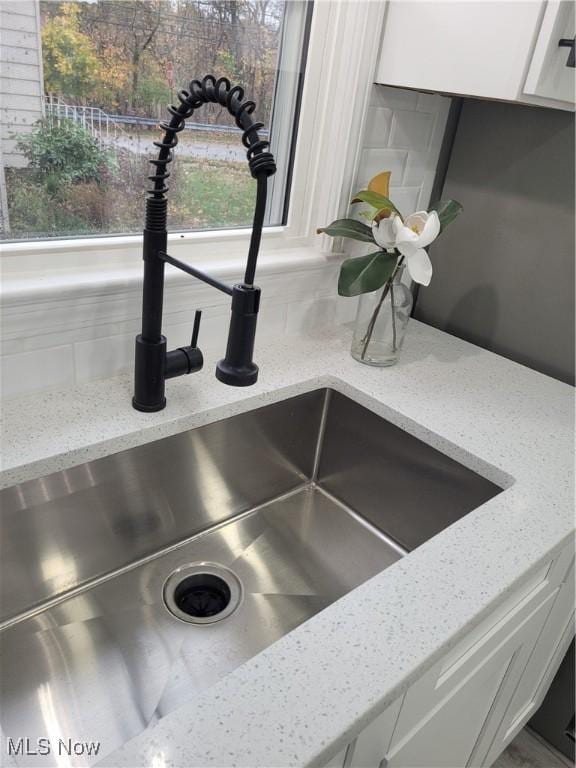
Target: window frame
[343, 47]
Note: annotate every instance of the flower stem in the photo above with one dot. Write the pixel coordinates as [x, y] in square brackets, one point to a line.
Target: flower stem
[393, 319]
[370, 329]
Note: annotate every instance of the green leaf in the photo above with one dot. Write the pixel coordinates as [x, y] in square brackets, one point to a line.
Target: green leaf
[447, 211]
[363, 274]
[351, 228]
[375, 200]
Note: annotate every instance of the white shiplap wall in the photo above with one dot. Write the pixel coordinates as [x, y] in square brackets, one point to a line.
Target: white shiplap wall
[20, 74]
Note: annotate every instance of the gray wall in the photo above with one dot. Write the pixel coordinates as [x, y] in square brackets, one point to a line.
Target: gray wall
[504, 271]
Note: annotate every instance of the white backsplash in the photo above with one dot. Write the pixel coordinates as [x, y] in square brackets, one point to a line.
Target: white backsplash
[74, 339]
[403, 134]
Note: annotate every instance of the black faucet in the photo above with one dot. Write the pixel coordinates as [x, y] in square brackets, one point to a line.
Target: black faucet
[154, 364]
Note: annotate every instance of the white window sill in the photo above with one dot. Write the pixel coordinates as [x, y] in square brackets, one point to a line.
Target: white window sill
[48, 257]
[30, 277]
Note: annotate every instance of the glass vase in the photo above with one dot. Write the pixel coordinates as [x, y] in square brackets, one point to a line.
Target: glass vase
[381, 323]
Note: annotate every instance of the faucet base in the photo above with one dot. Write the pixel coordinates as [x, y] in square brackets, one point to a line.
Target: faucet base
[148, 408]
[236, 376]
[149, 371]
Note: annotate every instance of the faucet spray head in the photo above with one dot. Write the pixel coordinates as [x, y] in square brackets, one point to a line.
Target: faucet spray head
[237, 369]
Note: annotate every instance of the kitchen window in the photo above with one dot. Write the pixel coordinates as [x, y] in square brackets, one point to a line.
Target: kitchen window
[85, 84]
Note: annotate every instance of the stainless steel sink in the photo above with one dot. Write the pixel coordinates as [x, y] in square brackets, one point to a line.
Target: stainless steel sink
[134, 581]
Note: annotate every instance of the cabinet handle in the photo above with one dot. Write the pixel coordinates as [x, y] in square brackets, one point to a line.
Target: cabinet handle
[569, 42]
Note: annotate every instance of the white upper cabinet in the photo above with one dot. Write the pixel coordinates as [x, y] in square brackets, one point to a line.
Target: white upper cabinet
[496, 50]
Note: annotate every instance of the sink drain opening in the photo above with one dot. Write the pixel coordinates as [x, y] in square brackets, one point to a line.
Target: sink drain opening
[202, 593]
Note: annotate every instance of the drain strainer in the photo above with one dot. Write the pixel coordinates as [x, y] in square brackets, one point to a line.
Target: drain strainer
[202, 593]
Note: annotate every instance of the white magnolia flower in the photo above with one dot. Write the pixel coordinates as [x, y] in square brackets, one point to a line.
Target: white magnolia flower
[384, 232]
[412, 236]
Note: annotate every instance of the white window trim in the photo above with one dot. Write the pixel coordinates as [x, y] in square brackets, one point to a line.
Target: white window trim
[344, 42]
[294, 34]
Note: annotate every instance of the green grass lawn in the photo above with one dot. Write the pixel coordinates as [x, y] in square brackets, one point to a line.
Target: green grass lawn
[204, 194]
[213, 195]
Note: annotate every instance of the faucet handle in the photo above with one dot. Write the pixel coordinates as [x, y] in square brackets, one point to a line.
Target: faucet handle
[196, 329]
[185, 359]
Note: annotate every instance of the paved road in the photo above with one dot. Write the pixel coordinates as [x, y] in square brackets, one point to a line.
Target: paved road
[210, 150]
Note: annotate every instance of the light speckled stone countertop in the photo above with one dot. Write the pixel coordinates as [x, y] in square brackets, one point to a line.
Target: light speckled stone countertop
[302, 699]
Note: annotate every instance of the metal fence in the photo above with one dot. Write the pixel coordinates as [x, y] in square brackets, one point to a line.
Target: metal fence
[104, 127]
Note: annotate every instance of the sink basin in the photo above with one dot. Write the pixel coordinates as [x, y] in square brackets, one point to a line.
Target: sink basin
[134, 581]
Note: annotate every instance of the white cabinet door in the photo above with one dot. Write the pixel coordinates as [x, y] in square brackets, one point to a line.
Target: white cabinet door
[474, 48]
[464, 709]
[540, 669]
[550, 75]
[445, 737]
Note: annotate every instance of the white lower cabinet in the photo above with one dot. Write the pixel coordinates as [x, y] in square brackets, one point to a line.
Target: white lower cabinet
[542, 665]
[465, 710]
